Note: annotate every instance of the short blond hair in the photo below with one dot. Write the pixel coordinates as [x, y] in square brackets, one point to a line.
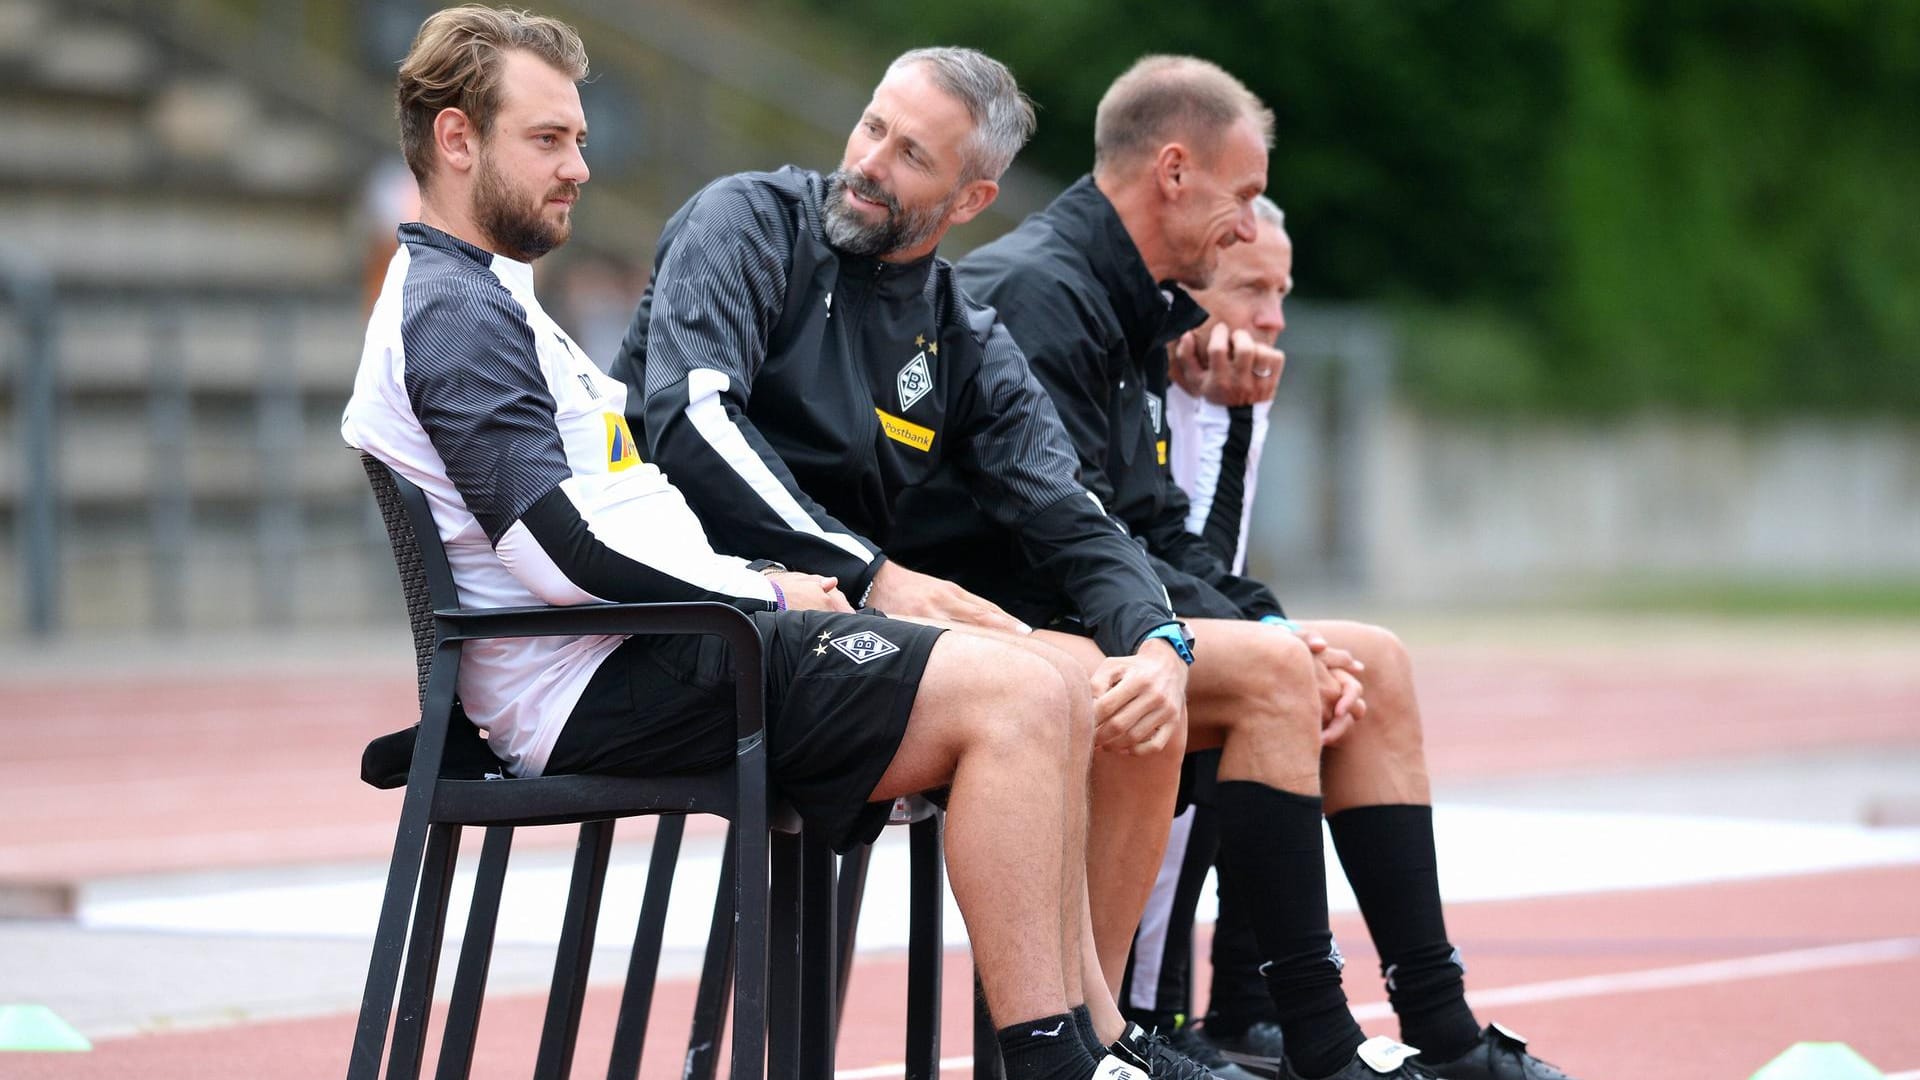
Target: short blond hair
[455, 63]
[1163, 99]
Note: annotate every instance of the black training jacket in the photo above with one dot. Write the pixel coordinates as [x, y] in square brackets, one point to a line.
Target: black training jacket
[1094, 327]
[810, 403]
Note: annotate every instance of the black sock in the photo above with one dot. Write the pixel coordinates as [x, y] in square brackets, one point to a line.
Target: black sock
[1272, 852]
[1045, 1049]
[1083, 1023]
[1388, 854]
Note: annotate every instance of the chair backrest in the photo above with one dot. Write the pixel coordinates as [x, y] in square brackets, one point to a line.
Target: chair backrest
[425, 577]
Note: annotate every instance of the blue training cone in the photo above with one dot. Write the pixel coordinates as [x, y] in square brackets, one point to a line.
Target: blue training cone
[36, 1027]
[1819, 1061]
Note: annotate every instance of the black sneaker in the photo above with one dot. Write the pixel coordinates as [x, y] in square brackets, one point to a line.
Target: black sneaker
[1499, 1055]
[1379, 1058]
[1193, 1042]
[1150, 1052]
[1258, 1048]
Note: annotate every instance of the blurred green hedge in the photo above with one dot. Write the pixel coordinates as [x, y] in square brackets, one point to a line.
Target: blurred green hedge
[1581, 206]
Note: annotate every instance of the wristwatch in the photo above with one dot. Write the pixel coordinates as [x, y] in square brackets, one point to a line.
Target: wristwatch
[1177, 635]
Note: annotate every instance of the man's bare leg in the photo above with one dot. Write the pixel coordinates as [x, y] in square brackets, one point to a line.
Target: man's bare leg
[1130, 809]
[1383, 759]
[1077, 956]
[1256, 699]
[992, 720]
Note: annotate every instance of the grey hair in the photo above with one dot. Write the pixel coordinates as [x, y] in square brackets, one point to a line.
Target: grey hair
[1002, 114]
[1269, 211]
[1164, 98]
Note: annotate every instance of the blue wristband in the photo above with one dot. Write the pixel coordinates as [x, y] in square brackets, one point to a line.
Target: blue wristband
[779, 595]
[1175, 635]
[1280, 620]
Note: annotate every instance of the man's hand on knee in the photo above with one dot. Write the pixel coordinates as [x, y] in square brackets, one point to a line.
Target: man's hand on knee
[1342, 700]
[1140, 701]
[900, 591]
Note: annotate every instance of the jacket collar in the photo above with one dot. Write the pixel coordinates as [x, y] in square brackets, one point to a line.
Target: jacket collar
[889, 281]
[512, 271]
[1151, 313]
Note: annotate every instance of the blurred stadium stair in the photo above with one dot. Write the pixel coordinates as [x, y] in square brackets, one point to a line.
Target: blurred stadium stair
[201, 244]
[193, 176]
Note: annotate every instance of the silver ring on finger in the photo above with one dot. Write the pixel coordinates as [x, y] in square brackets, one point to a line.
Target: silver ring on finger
[1262, 372]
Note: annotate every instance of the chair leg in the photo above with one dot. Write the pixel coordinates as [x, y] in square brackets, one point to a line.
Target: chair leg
[925, 950]
[850, 889]
[819, 960]
[423, 953]
[476, 957]
[716, 976]
[784, 983]
[643, 964]
[575, 955]
[751, 890]
[389, 939]
[986, 1044]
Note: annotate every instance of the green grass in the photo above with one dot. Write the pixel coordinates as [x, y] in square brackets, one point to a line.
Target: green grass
[1881, 599]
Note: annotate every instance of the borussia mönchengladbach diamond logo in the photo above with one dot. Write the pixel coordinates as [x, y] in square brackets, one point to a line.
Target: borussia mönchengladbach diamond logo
[914, 381]
[864, 646]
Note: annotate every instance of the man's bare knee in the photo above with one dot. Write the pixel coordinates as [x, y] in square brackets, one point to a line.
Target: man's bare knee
[1286, 682]
[1025, 707]
[1271, 730]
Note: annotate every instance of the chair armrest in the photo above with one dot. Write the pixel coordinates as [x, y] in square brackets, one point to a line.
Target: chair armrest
[719, 620]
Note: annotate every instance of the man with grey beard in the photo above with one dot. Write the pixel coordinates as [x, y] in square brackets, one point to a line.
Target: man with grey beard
[809, 373]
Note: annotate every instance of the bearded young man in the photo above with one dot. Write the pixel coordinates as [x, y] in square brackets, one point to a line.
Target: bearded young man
[1091, 288]
[809, 370]
[468, 389]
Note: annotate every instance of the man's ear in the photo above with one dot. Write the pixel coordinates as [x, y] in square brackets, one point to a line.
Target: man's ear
[1172, 171]
[455, 140]
[975, 197]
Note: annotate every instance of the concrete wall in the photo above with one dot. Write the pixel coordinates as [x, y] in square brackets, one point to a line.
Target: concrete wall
[1401, 506]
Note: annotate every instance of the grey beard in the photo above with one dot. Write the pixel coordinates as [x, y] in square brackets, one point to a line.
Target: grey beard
[899, 230]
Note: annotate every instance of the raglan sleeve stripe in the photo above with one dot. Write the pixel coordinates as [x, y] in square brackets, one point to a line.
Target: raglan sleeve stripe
[716, 298]
[474, 381]
[637, 552]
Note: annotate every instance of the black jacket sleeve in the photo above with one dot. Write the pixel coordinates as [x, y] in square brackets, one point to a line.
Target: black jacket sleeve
[1189, 555]
[1021, 469]
[715, 299]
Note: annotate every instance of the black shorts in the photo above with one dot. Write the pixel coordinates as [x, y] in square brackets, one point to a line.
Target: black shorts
[839, 691]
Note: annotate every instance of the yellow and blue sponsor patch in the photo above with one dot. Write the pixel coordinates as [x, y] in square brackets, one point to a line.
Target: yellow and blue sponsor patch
[621, 453]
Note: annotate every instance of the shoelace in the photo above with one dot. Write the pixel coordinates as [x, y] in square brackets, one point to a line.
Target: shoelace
[1166, 1062]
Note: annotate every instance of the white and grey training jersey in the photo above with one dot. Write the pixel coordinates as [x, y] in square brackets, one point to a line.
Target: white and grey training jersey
[1215, 457]
[470, 391]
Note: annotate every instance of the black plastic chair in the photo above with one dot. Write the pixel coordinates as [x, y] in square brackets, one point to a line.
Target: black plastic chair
[448, 787]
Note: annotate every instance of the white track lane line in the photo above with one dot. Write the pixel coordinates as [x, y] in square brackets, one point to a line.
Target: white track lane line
[1855, 954]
